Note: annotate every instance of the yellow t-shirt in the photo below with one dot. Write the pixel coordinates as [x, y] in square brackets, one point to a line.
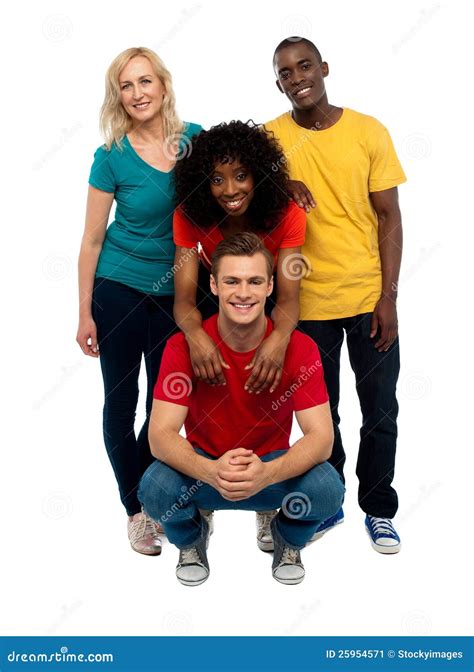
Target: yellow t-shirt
[340, 165]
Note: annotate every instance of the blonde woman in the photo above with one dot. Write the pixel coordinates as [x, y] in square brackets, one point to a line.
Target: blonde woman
[125, 277]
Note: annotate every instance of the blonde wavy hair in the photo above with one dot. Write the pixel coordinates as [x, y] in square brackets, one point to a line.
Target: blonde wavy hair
[115, 122]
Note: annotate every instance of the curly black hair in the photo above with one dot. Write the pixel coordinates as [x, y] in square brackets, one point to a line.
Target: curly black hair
[261, 155]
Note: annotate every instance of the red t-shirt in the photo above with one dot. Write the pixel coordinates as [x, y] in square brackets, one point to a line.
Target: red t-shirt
[290, 232]
[224, 417]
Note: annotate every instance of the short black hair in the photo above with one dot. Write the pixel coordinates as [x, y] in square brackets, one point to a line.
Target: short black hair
[291, 41]
[261, 155]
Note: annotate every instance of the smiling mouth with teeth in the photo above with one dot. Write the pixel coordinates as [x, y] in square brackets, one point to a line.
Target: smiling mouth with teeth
[141, 106]
[234, 204]
[245, 306]
[304, 91]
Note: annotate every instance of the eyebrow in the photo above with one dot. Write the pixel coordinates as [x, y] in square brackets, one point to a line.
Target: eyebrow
[254, 277]
[300, 62]
[128, 81]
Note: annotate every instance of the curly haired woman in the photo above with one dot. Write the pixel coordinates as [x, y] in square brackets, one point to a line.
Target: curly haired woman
[235, 180]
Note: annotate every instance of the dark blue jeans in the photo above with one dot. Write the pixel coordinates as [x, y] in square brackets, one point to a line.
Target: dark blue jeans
[130, 325]
[376, 375]
[174, 500]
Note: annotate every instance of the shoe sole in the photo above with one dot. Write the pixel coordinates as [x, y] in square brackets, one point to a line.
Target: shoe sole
[265, 546]
[318, 535]
[384, 550]
[289, 582]
[192, 583]
[145, 553]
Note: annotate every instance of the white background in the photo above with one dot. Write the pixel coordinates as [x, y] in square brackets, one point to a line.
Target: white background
[67, 567]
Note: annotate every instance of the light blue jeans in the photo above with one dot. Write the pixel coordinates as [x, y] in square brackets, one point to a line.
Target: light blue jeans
[174, 500]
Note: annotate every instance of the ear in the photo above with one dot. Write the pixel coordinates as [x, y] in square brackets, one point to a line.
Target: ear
[213, 284]
[270, 286]
[279, 86]
[324, 69]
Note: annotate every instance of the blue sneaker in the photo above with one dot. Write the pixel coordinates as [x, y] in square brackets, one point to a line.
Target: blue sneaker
[328, 524]
[382, 534]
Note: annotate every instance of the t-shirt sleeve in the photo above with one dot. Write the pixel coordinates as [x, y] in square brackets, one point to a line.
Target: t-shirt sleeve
[308, 384]
[184, 231]
[102, 175]
[294, 223]
[385, 168]
[175, 378]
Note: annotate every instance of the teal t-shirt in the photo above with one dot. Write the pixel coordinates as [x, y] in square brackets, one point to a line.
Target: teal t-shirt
[138, 248]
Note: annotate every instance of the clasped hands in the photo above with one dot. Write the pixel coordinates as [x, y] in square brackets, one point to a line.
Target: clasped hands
[239, 474]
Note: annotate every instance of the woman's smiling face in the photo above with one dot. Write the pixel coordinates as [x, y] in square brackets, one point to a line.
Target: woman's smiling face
[232, 186]
[141, 90]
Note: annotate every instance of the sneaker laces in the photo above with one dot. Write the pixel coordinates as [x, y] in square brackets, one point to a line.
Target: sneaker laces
[137, 528]
[265, 518]
[290, 556]
[152, 527]
[141, 527]
[383, 526]
[190, 556]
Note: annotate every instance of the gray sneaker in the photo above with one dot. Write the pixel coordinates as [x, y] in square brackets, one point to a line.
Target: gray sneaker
[264, 533]
[193, 567]
[209, 516]
[287, 566]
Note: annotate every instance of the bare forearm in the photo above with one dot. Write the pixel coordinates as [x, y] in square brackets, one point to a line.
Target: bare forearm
[285, 316]
[311, 449]
[88, 258]
[390, 249]
[176, 451]
[187, 316]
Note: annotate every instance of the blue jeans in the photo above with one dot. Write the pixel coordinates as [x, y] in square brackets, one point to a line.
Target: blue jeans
[376, 375]
[174, 500]
[130, 325]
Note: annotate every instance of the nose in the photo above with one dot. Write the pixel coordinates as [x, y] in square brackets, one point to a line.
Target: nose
[230, 189]
[137, 93]
[295, 79]
[243, 291]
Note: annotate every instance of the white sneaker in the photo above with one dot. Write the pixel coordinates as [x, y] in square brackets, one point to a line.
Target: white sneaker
[144, 534]
[264, 533]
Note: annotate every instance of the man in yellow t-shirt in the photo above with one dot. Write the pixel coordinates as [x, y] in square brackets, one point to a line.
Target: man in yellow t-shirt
[353, 251]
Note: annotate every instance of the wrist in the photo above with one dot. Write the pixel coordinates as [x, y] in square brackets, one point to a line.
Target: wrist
[272, 470]
[388, 296]
[190, 332]
[283, 334]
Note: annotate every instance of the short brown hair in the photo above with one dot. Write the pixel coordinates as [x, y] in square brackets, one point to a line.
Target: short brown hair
[241, 245]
